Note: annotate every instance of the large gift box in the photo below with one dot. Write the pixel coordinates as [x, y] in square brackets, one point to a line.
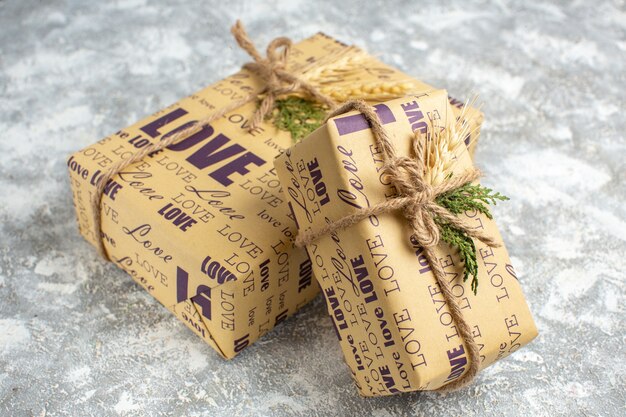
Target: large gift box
[394, 325]
[203, 225]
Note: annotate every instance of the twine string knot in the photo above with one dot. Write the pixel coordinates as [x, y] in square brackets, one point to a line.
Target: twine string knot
[273, 72]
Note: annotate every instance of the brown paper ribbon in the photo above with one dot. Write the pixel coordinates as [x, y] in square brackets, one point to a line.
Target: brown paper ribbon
[277, 81]
[417, 201]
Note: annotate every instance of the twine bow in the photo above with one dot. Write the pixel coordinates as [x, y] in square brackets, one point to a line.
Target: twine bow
[417, 201]
[277, 81]
[272, 70]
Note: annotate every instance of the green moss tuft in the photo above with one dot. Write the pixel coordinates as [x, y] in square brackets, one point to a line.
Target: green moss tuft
[298, 116]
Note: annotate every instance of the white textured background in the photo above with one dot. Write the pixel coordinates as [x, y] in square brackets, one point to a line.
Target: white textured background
[78, 337]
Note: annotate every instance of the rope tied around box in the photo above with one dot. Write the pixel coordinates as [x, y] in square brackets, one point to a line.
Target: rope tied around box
[416, 199]
[277, 81]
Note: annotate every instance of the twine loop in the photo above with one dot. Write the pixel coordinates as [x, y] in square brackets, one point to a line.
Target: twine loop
[272, 70]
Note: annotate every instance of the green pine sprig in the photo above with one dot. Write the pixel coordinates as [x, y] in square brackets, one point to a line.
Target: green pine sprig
[298, 116]
[467, 251]
[467, 197]
[470, 197]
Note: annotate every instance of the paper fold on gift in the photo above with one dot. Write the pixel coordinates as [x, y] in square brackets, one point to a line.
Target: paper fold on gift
[205, 220]
[393, 324]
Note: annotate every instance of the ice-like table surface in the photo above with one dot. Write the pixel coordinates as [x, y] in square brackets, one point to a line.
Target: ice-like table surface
[78, 337]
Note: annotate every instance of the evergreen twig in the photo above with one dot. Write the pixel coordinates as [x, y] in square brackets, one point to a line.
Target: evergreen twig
[467, 197]
[470, 197]
[467, 251]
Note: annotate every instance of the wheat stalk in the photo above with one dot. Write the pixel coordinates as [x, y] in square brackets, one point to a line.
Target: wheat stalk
[443, 145]
[350, 78]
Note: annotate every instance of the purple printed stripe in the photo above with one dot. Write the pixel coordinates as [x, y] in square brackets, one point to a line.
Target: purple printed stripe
[182, 283]
[357, 122]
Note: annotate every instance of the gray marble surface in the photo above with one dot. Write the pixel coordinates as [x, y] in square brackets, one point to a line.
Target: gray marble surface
[78, 337]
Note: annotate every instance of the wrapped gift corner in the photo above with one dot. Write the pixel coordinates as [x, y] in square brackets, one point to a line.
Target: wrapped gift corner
[393, 324]
[203, 225]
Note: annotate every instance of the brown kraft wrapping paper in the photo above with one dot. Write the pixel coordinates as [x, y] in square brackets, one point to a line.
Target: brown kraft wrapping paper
[202, 226]
[394, 328]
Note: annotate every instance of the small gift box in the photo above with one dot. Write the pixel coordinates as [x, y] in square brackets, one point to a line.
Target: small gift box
[188, 203]
[417, 281]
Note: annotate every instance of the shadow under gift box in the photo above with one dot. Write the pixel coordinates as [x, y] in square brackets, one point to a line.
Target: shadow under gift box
[202, 226]
[394, 327]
